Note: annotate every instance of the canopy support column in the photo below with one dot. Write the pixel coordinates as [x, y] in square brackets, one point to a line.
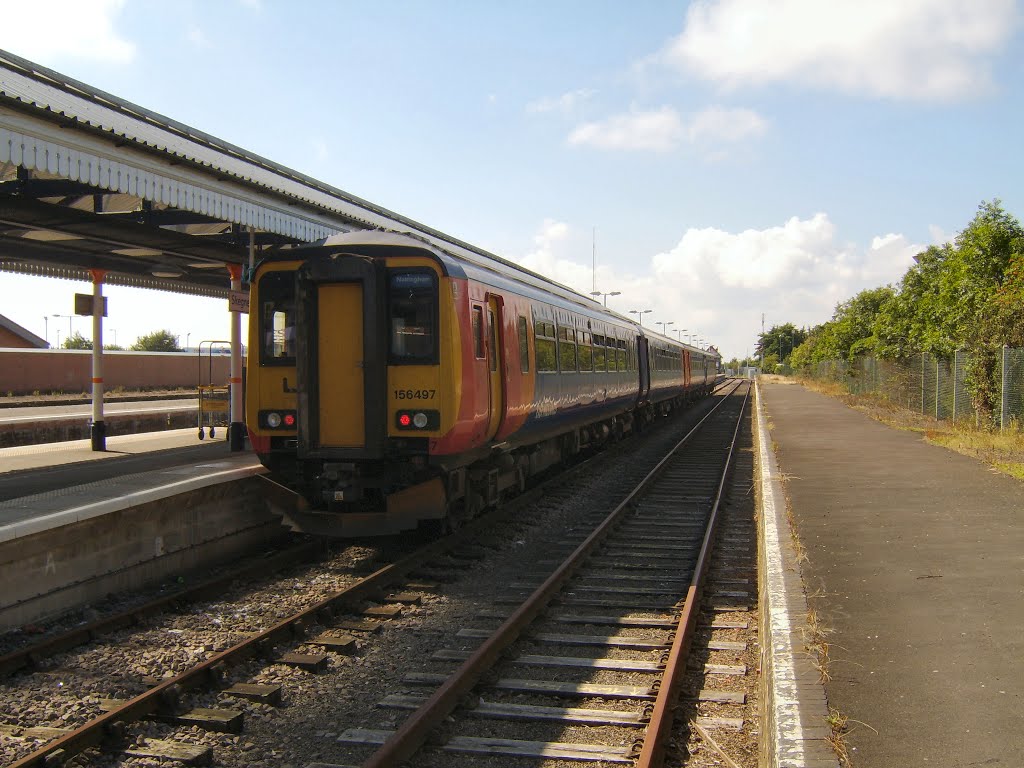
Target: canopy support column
[237, 431]
[97, 428]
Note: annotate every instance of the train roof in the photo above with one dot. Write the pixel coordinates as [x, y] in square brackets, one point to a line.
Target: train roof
[458, 260]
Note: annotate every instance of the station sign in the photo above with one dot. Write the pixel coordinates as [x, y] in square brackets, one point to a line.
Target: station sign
[238, 301]
[83, 304]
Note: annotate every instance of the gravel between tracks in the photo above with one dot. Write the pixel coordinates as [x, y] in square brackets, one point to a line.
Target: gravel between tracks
[316, 708]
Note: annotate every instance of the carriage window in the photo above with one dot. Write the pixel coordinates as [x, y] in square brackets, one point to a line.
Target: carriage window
[567, 350]
[478, 332]
[544, 343]
[622, 355]
[277, 318]
[599, 358]
[412, 303]
[586, 354]
[524, 347]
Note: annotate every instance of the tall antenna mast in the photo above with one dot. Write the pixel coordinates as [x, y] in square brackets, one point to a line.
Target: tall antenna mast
[594, 254]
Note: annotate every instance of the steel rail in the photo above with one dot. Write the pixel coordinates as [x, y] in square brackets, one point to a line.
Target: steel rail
[416, 729]
[31, 655]
[110, 726]
[652, 754]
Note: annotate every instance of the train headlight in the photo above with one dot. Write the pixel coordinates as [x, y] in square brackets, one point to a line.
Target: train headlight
[273, 420]
[419, 420]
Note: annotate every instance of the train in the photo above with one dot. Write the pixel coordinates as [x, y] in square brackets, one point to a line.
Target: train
[396, 382]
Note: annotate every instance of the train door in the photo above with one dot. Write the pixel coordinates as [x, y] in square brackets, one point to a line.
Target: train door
[340, 365]
[643, 357]
[495, 364]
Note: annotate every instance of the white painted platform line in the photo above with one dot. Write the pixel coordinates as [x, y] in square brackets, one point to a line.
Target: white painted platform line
[792, 746]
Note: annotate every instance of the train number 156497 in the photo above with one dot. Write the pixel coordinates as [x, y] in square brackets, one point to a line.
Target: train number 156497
[415, 394]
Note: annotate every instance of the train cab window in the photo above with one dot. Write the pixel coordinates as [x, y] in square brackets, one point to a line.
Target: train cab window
[586, 355]
[567, 350]
[412, 304]
[524, 347]
[478, 333]
[276, 292]
[544, 343]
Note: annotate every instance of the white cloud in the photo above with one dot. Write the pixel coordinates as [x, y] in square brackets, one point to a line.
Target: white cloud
[938, 235]
[658, 130]
[717, 124]
[75, 29]
[320, 149]
[933, 50]
[198, 38]
[716, 283]
[566, 104]
[664, 129]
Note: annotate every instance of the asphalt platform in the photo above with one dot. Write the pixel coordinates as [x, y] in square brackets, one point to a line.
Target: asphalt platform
[916, 566]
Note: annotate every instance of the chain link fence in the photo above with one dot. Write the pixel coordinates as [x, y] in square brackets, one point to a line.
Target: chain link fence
[935, 386]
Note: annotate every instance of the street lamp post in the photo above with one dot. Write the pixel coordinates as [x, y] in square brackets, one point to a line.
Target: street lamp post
[640, 313]
[70, 318]
[606, 295]
[664, 326]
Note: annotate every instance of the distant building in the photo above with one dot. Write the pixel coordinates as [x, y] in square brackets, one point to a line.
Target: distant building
[14, 336]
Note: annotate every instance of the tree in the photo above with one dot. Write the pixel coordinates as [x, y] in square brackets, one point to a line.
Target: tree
[158, 341]
[77, 341]
[850, 332]
[780, 341]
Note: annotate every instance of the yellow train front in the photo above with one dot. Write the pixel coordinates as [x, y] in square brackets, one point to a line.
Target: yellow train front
[392, 382]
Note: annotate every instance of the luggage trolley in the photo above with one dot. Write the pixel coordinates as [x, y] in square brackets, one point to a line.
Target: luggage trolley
[214, 399]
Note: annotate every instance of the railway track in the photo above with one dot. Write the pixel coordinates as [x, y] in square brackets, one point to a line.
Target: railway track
[340, 615]
[609, 628]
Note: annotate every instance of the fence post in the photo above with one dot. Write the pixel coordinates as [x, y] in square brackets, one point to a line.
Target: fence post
[956, 367]
[1004, 400]
[922, 383]
[938, 380]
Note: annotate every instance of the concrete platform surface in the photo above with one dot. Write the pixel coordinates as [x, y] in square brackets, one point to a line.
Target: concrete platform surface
[916, 566]
[45, 486]
[34, 414]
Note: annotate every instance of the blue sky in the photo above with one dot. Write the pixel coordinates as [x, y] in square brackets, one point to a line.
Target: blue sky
[720, 159]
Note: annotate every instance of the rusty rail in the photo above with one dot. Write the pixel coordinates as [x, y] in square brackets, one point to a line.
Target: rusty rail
[413, 733]
[653, 753]
[111, 725]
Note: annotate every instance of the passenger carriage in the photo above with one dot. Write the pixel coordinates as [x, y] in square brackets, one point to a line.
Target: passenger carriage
[393, 381]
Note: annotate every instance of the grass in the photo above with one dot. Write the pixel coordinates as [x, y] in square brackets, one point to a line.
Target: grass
[1001, 450]
[837, 722]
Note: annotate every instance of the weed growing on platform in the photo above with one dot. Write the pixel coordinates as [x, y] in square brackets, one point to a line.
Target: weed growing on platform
[837, 722]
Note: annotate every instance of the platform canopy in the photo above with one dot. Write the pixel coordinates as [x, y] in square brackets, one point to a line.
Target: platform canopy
[90, 181]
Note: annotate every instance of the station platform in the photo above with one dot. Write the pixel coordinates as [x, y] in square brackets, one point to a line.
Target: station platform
[49, 485]
[77, 525]
[915, 571]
